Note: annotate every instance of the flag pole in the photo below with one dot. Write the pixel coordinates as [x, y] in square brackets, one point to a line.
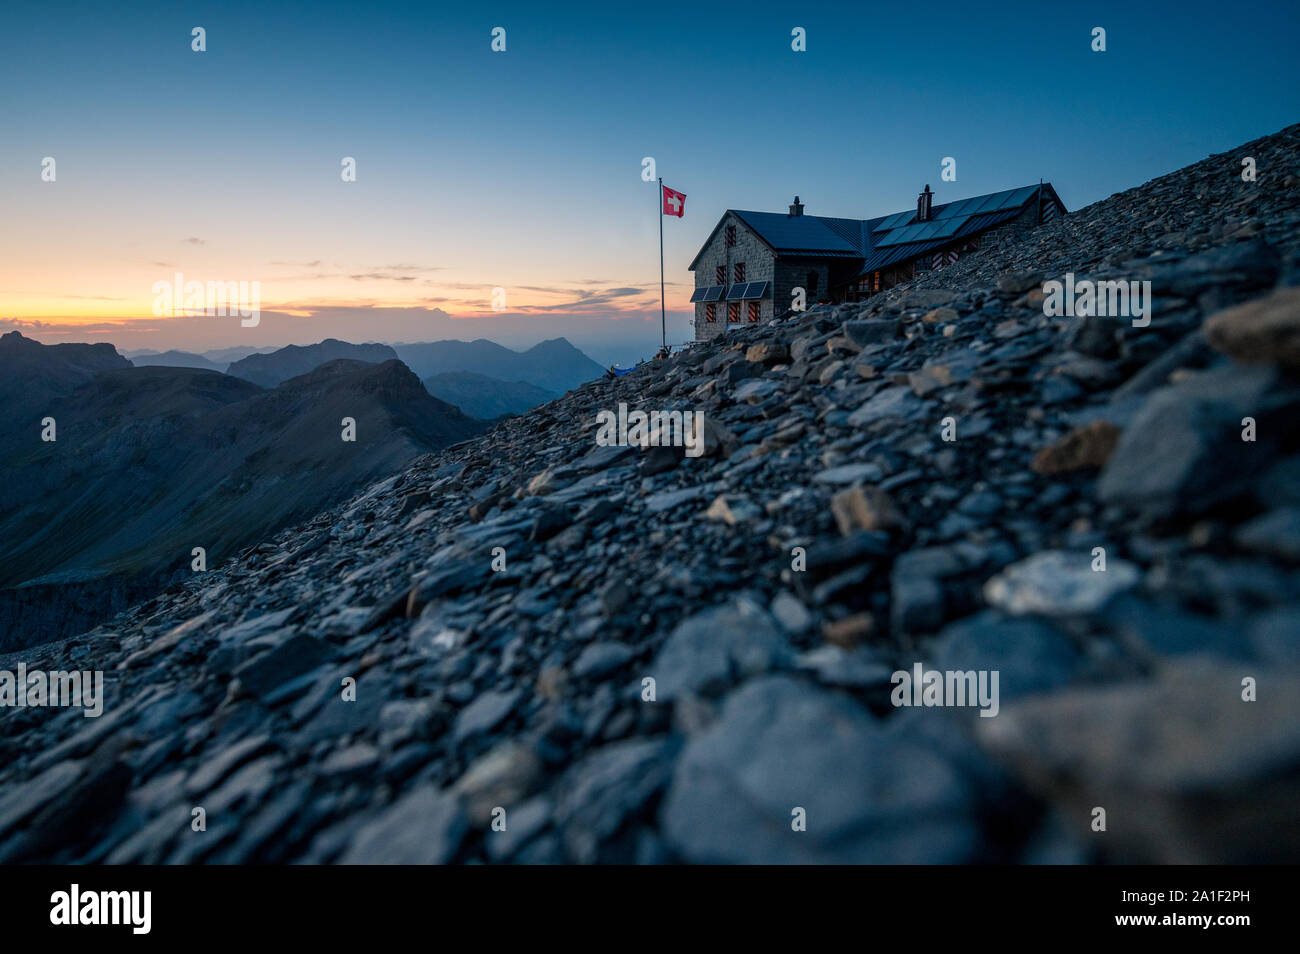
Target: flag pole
[663, 319]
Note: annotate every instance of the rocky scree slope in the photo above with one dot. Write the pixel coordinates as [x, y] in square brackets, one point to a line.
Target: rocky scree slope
[523, 689]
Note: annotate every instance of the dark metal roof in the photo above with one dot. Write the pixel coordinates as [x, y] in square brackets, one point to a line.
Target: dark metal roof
[798, 233]
[948, 219]
[890, 254]
[888, 238]
[851, 230]
[961, 209]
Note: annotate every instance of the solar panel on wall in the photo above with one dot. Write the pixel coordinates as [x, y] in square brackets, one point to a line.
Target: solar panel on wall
[746, 290]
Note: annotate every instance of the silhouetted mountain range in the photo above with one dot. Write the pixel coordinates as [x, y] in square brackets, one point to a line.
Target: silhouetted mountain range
[176, 359]
[553, 365]
[155, 458]
[271, 369]
[483, 397]
[150, 462]
[223, 356]
[34, 373]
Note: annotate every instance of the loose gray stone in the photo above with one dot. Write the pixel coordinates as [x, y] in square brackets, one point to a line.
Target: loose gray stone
[606, 789]
[1029, 655]
[894, 402]
[1184, 452]
[485, 713]
[916, 603]
[1168, 758]
[672, 499]
[423, 827]
[709, 651]
[1058, 583]
[1276, 533]
[601, 659]
[849, 474]
[870, 797]
[791, 613]
[262, 675]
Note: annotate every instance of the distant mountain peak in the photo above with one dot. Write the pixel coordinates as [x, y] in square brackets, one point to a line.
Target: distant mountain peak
[292, 361]
[554, 365]
[389, 379]
[554, 344]
[15, 341]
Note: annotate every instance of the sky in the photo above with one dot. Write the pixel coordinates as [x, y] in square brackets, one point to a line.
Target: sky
[522, 169]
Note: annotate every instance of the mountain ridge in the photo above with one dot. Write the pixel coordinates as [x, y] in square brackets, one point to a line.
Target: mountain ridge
[272, 368]
[176, 359]
[484, 397]
[554, 365]
[152, 461]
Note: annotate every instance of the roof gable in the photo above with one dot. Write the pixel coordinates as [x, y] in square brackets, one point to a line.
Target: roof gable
[712, 235]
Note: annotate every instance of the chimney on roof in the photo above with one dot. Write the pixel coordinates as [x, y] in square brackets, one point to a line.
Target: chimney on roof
[797, 208]
[923, 205]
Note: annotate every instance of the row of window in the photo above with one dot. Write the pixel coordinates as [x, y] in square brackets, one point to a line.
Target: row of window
[720, 278]
[869, 284]
[733, 311]
[737, 273]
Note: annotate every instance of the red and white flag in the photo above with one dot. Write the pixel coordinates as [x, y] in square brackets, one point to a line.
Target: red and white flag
[674, 202]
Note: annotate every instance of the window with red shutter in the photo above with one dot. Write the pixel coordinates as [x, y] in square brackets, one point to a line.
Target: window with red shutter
[731, 236]
[733, 311]
[710, 312]
[720, 275]
[753, 311]
[738, 272]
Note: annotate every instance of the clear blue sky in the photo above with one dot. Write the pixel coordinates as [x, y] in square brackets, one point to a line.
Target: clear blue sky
[522, 169]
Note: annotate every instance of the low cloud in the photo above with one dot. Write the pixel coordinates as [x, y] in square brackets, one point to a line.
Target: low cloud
[623, 337]
[400, 272]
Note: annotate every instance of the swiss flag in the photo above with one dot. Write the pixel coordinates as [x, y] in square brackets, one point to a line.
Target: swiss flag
[674, 202]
